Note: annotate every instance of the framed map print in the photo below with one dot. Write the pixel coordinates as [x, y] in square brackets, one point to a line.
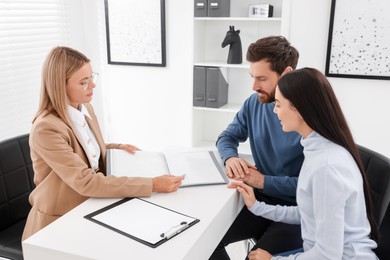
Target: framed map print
[135, 32]
[359, 39]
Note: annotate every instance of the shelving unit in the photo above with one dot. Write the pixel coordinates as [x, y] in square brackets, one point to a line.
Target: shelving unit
[209, 33]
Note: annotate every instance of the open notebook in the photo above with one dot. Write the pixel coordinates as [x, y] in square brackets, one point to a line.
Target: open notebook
[199, 167]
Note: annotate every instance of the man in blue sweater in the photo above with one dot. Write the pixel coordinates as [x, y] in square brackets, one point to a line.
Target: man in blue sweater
[278, 155]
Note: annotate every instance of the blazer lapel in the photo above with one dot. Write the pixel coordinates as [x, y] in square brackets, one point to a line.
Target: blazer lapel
[94, 125]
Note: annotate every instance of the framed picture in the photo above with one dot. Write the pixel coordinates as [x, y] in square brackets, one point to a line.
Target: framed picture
[135, 32]
[261, 11]
[359, 37]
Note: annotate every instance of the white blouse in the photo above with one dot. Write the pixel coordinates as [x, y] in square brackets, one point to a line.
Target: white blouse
[88, 139]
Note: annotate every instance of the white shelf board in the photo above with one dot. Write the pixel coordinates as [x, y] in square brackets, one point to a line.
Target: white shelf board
[222, 64]
[249, 19]
[232, 108]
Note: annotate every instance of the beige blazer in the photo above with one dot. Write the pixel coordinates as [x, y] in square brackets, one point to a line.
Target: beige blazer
[63, 175]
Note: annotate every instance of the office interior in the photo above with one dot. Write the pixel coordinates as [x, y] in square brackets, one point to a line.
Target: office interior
[151, 107]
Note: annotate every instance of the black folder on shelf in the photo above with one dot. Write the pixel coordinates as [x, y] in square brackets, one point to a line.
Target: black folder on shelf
[143, 221]
[199, 88]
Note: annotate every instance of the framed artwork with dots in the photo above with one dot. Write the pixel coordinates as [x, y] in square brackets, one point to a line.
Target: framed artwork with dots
[359, 39]
[135, 32]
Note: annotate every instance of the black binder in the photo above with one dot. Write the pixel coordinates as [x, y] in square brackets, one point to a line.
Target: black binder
[210, 88]
[199, 95]
[200, 8]
[143, 221]
[217, 88]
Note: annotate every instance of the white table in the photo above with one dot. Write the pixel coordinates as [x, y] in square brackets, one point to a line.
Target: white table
[73, 237]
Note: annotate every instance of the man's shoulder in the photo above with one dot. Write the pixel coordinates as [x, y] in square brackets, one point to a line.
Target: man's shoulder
[254, 107]
[252, 102]
[253, 98]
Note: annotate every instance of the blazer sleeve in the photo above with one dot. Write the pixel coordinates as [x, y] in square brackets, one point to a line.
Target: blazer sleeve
[112, 146]
[57, 146]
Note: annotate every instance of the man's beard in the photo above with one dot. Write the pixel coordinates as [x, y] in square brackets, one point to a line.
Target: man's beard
[268, 98]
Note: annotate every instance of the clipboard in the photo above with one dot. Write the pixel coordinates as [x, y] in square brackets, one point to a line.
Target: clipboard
[143, 221]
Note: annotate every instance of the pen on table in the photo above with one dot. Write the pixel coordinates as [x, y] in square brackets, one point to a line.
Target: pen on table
[175, 231]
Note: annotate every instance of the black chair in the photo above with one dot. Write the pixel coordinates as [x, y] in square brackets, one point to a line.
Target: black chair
[383, 250]
[16, 183]
[377, 168]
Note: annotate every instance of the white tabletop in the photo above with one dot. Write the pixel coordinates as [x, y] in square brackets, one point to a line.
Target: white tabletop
[74, 237]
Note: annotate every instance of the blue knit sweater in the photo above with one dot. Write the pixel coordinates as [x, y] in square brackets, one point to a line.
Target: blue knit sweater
[277, 154]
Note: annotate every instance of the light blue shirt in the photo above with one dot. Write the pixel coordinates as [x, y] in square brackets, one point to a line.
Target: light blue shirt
[331, 207]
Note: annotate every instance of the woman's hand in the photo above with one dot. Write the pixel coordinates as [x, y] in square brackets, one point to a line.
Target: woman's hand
[128, 147]
[259, 254]
[167, 183]
[246, 192]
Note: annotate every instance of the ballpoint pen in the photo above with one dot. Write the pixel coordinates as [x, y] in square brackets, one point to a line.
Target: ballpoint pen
[174, 231]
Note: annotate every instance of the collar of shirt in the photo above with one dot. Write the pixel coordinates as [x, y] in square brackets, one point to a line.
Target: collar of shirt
[77, 116]
[88, 139]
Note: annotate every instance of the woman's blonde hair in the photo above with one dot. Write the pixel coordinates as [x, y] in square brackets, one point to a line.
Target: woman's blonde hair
[59, 66]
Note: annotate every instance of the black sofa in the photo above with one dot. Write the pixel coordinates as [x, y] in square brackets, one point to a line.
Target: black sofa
[16, 183]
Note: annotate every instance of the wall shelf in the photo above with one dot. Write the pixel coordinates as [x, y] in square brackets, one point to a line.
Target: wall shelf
[209, 33]
[249, 19]
[222, 64]
[229, 108]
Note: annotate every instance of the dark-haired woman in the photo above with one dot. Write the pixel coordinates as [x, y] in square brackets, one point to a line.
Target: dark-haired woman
[334, 205]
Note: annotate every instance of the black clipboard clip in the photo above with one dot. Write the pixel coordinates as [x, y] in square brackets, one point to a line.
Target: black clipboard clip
[175, 230]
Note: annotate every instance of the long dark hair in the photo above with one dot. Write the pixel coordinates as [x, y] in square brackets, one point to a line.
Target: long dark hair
[311, 94]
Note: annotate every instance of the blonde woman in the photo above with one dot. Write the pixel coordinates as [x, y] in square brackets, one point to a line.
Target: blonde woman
[67, 148]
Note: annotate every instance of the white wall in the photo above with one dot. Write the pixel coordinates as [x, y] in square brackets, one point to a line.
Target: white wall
[151, 107]
[364, 102]
[87, 33]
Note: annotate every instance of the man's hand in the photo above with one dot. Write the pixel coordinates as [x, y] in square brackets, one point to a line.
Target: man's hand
[254, 178]
[237, 168]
